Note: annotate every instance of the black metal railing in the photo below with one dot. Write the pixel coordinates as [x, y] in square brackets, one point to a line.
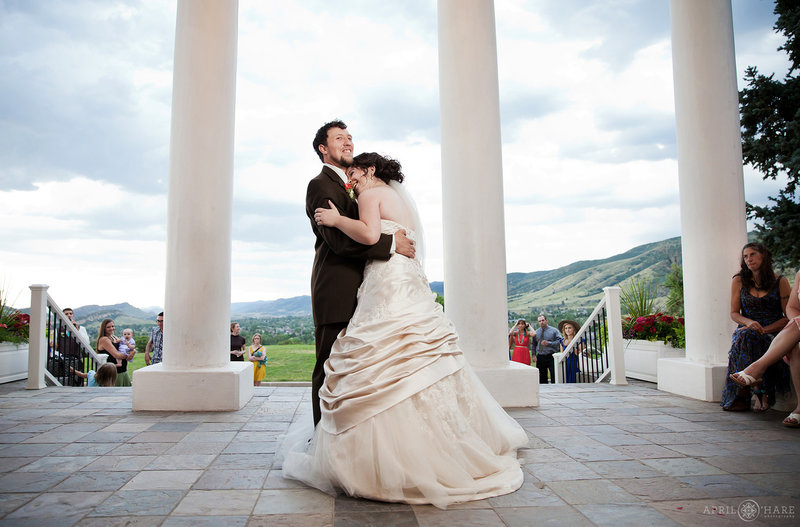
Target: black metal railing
[595, 354]
[586, 358]
[67, 350]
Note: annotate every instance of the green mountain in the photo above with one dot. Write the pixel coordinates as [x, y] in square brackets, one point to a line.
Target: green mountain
[576, 287]
[295, 306]
[126, 311]
[579, 285]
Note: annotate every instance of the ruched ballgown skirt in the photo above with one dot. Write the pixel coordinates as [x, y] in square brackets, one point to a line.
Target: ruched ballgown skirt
[404, 417]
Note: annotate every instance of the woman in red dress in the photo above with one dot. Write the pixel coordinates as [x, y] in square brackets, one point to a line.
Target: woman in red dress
[520, 339]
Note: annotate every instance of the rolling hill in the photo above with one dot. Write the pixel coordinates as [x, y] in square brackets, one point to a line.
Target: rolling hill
[580, 284]
[574, 286]
[295, 306]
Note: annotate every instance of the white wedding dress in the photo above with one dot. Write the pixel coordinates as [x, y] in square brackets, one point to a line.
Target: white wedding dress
[404, 417]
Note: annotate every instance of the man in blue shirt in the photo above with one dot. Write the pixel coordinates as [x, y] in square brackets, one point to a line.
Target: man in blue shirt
[547, 339]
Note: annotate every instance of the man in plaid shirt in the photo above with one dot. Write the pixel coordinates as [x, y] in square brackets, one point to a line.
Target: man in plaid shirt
[156, 342]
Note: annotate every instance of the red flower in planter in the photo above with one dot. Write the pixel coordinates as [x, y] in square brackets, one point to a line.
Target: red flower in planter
[20, 320]
[657, 327]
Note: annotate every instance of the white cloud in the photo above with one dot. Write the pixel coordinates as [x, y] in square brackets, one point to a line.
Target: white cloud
[586, 99]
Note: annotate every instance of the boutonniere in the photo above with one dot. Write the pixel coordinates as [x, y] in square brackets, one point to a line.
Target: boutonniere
[349, 188]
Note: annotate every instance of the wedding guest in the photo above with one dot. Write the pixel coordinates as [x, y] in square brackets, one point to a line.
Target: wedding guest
[106, 375]
[520, 339]
[570, 328]
[108, 344]
[547, 338]
[70, 314]
[237, 343]
[68, 344]
[258, 356]
[758, 301]
[156, 342]
[786, 342]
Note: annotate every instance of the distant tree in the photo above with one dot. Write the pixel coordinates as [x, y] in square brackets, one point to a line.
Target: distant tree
[141, 342]
[770, 111]
[440, 300]
[780, 229]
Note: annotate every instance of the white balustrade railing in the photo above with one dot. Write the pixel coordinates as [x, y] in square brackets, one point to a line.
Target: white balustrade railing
[55, 344]
[598, 344]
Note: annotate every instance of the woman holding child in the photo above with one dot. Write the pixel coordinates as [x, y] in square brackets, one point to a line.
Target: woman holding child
[108, 344]
[758, 301]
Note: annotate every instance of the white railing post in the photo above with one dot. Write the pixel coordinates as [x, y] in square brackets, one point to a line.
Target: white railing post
[616, 350]
[557, 359]
[37, 339]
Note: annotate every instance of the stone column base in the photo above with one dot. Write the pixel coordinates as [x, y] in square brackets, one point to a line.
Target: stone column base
[156, 388]
[515, 385]
[685, 377]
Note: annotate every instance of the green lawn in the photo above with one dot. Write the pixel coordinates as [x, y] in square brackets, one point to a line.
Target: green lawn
[284, 363]
[290, 362]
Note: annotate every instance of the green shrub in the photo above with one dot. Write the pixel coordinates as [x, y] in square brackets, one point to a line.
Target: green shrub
[638, 297]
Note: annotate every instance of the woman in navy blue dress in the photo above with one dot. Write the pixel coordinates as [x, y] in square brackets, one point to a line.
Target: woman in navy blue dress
[570, 328]
[758, 300]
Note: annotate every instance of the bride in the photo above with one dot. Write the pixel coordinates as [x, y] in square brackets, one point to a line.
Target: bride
[404, 418]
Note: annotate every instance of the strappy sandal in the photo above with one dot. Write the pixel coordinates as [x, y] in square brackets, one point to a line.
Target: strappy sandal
[761, 404]
[792, 420]
[743, 379]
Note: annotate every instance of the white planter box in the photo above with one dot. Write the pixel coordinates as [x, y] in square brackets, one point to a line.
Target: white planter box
[13, 361]
[641, 358]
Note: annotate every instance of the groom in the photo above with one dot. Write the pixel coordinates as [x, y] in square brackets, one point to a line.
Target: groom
[339, 261]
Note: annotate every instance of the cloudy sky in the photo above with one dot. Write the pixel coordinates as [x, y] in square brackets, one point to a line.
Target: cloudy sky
[589, 155]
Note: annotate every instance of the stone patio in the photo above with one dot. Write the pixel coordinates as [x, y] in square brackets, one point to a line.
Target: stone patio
[598, 455]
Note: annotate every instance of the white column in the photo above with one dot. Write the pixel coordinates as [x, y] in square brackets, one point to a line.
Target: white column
[37, 341]
[196, 373]
[472, 179]
[713, 226]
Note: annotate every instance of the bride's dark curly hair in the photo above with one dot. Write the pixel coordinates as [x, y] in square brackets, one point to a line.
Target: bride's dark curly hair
[386, 168]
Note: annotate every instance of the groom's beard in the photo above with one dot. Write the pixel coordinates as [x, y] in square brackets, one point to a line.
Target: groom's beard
[344, 161]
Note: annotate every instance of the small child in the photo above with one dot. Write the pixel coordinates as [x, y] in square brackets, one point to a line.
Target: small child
[126, 345]
[106, 375]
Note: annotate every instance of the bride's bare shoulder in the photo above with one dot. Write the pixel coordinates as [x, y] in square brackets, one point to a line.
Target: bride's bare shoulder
[382, 193]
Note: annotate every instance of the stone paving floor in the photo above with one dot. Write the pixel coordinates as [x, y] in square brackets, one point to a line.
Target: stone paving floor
[598, 455]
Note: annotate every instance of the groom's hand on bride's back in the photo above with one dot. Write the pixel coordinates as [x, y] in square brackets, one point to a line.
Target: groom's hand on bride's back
[403, 244]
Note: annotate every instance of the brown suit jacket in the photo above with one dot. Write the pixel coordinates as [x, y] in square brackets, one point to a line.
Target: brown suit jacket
[339, 261]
